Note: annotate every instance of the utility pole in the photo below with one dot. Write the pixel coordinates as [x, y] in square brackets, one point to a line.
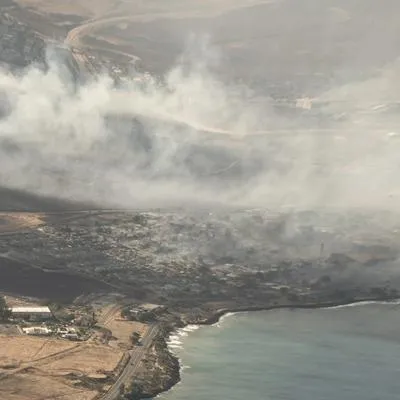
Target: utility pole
[321, 249]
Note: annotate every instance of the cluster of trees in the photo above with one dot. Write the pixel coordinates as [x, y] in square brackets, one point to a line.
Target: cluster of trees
[135, 338]
[5, 312]
[143, 316]
[134, 392]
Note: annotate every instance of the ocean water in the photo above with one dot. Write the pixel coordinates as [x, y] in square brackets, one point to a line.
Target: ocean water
[347, 353]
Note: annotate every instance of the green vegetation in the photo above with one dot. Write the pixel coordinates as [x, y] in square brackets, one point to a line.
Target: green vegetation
[144, 316]
[135, 338]
[5, 312]
[134, 392]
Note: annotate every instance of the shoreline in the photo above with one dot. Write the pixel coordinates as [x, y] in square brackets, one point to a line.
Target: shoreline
[215, 317]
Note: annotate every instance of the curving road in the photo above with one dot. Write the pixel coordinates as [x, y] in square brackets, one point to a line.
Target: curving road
[74, 41]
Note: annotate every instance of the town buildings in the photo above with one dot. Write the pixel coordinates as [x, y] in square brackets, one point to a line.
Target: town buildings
[31, 313]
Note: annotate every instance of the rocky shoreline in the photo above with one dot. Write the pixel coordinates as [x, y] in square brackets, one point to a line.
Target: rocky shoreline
[168, 373]
[215, 317]
[171, 364]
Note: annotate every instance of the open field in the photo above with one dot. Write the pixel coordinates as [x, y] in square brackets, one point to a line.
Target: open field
[74, 370]
[87, 359]
[60, 366]
[35, 387]
[13, 301]
[109, 317]
[122, 330]
[17, 350]
[11, 222]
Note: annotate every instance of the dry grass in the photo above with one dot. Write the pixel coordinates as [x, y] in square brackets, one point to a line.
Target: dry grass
[32, 387]
[110, 317]
[23, 349]
[56, 354]
[37, 368]
[11, 222]
[13, 301]
[122, 331]
[90, 359]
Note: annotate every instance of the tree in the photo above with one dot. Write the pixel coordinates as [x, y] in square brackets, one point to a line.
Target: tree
[135, 392]
[5, 312]
[126, 312]
[284, 290]
[135, 337]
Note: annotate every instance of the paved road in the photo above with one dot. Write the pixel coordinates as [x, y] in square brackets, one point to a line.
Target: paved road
[136, 356]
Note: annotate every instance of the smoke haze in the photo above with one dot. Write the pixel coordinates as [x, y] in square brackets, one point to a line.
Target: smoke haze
[197, 140]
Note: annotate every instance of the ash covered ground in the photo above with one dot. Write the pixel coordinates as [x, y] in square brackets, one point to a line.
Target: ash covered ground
[246, 256]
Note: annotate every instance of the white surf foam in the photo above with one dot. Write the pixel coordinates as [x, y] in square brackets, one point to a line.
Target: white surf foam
[175, 346]
[175, 340]
[190, 328]
[363, 303]
[223, 318]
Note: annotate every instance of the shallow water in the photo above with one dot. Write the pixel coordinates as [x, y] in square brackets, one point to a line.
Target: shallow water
[346, 353]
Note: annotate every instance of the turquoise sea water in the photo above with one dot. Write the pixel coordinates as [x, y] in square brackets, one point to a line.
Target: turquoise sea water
[348, 353]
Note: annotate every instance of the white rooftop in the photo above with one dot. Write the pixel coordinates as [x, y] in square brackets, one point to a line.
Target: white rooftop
[30, 310]
[36, 329]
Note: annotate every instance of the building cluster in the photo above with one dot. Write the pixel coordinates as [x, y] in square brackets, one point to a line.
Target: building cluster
[31, 313]
[40, 321]
[143, 312]
[37, 331]
[176, 256]
[19, 46]
[64, 332]
[189, 258]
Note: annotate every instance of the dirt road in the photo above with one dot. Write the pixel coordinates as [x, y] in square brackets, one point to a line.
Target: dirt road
[42, 361]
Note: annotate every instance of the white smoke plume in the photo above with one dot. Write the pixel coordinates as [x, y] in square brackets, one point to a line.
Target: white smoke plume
[196, 140]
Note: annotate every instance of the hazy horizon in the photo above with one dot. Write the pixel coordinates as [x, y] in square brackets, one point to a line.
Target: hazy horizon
[203, 140]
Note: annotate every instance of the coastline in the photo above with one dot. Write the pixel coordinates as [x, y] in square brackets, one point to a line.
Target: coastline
[215, 318]
[174, 363]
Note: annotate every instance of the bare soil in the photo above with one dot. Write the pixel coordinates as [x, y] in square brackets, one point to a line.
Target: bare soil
[31, 365]
[13, 301]
[32, 387]
[122, 331]
[11, 222]
[89, 359]
[22, 349]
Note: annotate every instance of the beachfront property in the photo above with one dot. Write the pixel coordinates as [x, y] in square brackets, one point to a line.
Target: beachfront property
[31, 313]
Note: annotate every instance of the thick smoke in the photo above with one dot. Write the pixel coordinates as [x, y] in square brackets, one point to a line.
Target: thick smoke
[195, 140]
